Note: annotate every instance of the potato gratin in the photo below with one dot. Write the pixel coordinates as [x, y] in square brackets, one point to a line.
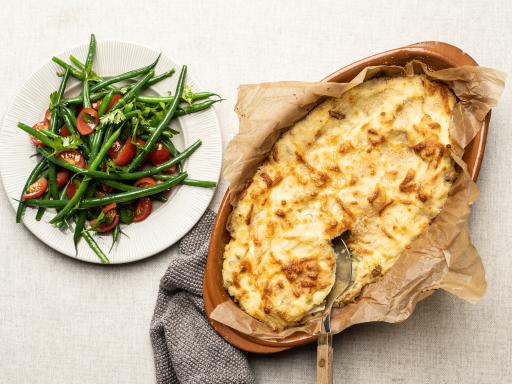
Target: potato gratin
[373, 162]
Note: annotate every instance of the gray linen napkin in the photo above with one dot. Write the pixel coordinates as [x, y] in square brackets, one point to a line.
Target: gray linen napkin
[186, 348]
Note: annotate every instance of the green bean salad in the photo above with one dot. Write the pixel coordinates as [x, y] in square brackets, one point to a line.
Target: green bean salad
[107, 154]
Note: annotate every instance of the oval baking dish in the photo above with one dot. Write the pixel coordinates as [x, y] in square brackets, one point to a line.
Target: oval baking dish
[437, 56]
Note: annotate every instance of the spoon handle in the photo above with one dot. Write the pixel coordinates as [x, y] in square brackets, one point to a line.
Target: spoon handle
[324, 359]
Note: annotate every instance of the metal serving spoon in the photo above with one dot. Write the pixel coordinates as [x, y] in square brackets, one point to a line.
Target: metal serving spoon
[324, 350]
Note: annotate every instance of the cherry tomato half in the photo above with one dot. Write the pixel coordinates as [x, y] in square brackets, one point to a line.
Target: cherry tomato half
[64, 131]
[87, 121]
[145, 182]
[109, 207]
[36, 189]
[114, 100]
[113, 218]
[114, 149]
[172, 169]
[63, 176]
[143, 209]
[159, 155]
[126, 153]
[38, 127]
[73, 157]
[48, 115]
[70, 192]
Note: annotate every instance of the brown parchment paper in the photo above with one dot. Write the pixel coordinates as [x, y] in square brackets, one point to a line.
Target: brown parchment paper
[440, 258]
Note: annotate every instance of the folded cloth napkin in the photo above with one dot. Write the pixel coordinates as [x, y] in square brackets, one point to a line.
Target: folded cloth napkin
[186, 348]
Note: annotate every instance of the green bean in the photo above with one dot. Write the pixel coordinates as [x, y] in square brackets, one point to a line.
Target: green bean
[104, 103]
[121, 176]
[122, 197]
[160, 77]
[81, 66]
[81, 219]
[199, 183]
[83, 185]
[96, 140]
[119, 186]
[197, 107]
[94, 246]
[126, 187]
[155, 99]
[85, 94]
[163, 124]
[168, 99]
[38, 135]
[87, 72]
[93, 97]
[190, 182]
[42, 210]
[125, 76]
[74, 72]
[50, 134]
[76, 62]
[69, 120]
[170, 147]
[94, 75]
[145, 136]
[173, 150]
[90, 56]
[127, 196]
[133, 91]
[38, 169]
[52, 172]
[60, 93]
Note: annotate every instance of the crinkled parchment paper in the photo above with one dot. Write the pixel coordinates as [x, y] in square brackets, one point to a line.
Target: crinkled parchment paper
[442, 257]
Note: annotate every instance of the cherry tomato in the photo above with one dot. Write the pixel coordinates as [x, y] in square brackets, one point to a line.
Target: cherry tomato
[73, 157]
[38, 127]
[126, 153]
[63, 176]
[64, 131]
[172, 169]
[145, 182]
[114, 149]
[143, 209]
[159, 155]
[48, 115]
[108, 207]
[141, 143]
[70, 192]
[36, 189]
[114, 100]
[107, 227]
[87, 121]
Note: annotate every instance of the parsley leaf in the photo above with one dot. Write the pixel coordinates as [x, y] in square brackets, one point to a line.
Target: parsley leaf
[126, 215]
[114, 117]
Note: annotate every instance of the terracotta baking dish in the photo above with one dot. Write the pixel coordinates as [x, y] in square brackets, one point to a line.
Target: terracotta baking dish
[435, 54]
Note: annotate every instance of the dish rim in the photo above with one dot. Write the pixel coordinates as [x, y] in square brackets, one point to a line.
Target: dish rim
[445, 55]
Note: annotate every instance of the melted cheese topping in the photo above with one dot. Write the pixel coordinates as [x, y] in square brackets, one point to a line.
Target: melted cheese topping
[373, 162]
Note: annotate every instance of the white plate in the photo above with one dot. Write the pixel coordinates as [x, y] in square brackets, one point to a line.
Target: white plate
[169, 221]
